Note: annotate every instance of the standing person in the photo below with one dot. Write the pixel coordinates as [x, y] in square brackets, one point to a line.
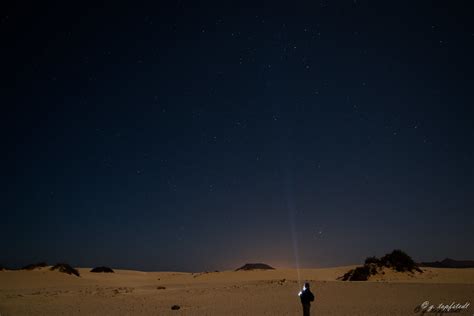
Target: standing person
[306, 298]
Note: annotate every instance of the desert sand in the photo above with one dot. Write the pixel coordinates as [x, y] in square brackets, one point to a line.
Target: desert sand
[262, 292]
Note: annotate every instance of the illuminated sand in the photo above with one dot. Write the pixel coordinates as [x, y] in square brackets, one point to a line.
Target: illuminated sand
[43, 292]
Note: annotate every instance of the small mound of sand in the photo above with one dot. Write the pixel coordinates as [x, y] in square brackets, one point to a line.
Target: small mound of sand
[35, 266]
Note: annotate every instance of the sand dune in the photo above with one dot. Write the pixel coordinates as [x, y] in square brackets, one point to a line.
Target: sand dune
[271, 292]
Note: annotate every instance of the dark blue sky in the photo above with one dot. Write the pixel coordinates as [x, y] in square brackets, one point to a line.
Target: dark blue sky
[187, 136]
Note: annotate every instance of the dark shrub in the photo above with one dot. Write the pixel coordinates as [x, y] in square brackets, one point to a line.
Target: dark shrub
[373, 260]
[34, 266]
[399, 261]
[102, 269]
[360, 274]
[347, 275]
[175, 307]
[65, 268]
[373, 268]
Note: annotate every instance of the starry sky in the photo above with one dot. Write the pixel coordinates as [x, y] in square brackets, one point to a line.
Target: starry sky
[198, 136]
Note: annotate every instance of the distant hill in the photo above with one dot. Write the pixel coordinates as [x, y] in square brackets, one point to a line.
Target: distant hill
[102, 270]
[255, 266]
[449, 263]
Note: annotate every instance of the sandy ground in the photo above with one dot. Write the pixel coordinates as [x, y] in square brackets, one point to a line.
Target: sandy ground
[44, 292]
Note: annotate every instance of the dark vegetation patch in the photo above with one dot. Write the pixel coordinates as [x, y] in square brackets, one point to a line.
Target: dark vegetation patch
[396, 260]
[362, 273]
[399, 261]
[65, 268]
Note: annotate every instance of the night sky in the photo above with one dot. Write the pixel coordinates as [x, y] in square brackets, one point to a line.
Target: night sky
[200, 136]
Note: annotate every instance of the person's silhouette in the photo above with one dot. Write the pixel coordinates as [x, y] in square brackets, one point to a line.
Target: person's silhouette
[306, 298]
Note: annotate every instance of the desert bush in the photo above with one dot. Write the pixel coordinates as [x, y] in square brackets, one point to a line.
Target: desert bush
[358, 274]
[373, 260]
[399, 261]
[65, 268]
[373, 268]
[347, 275]
[361, 274]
